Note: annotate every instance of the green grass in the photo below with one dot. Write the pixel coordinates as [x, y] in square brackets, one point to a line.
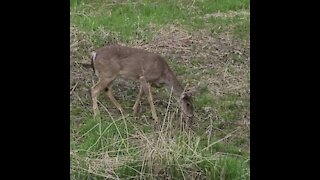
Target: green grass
[117, 147]
[133, 18]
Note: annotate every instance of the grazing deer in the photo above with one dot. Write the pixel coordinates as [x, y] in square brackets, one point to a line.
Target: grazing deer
[130, 63]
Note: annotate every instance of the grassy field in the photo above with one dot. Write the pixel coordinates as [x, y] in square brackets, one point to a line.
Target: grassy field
[207, 44]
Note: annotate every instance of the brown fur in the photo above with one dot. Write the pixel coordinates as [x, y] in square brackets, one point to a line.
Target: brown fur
[137, 64]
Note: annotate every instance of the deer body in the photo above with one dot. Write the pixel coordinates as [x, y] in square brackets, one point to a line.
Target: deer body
[130, 63]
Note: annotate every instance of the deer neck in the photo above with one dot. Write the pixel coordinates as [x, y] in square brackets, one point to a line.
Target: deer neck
[173, 84]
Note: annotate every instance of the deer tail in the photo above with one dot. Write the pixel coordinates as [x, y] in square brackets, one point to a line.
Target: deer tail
[93, 57]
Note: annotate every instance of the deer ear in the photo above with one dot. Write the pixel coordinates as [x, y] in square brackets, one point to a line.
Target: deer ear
[189, 92]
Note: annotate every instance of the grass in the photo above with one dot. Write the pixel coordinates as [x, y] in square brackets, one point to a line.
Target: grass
[132, 19]
[148, 155]
[206, 42]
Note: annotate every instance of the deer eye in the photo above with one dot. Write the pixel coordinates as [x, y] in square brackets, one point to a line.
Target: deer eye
[188, 104]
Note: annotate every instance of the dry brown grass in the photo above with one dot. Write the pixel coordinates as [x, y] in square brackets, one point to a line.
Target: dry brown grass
[157, 155]
[222, 62]
[222, 65]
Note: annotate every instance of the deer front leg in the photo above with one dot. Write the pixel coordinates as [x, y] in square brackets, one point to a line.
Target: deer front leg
[146, 89]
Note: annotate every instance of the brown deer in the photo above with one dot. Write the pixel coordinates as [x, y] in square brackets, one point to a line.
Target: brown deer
[130, 63]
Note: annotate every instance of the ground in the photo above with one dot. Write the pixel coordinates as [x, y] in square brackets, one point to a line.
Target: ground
[207, 45]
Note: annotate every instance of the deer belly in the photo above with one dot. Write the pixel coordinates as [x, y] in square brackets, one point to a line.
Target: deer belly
[129, 75]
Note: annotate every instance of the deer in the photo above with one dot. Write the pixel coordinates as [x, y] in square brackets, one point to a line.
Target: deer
[149, 69]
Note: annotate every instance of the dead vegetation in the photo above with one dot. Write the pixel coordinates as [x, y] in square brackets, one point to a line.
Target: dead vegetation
[221, 63]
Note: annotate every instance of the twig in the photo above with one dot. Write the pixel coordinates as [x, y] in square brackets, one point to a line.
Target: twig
[73, 88]
[226, 137]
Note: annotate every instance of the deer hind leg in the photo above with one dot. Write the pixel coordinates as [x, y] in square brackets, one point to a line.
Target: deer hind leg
[147, 91]
[113, 100]
[136, 105]
[103, 83]
[95, 91]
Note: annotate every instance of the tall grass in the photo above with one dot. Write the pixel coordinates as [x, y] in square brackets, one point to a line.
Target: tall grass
[118, 149]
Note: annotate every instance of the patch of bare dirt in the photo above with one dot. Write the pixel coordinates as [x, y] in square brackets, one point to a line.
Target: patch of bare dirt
[227, 14]
[222, 60]
[80, 45]
[80, 77]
